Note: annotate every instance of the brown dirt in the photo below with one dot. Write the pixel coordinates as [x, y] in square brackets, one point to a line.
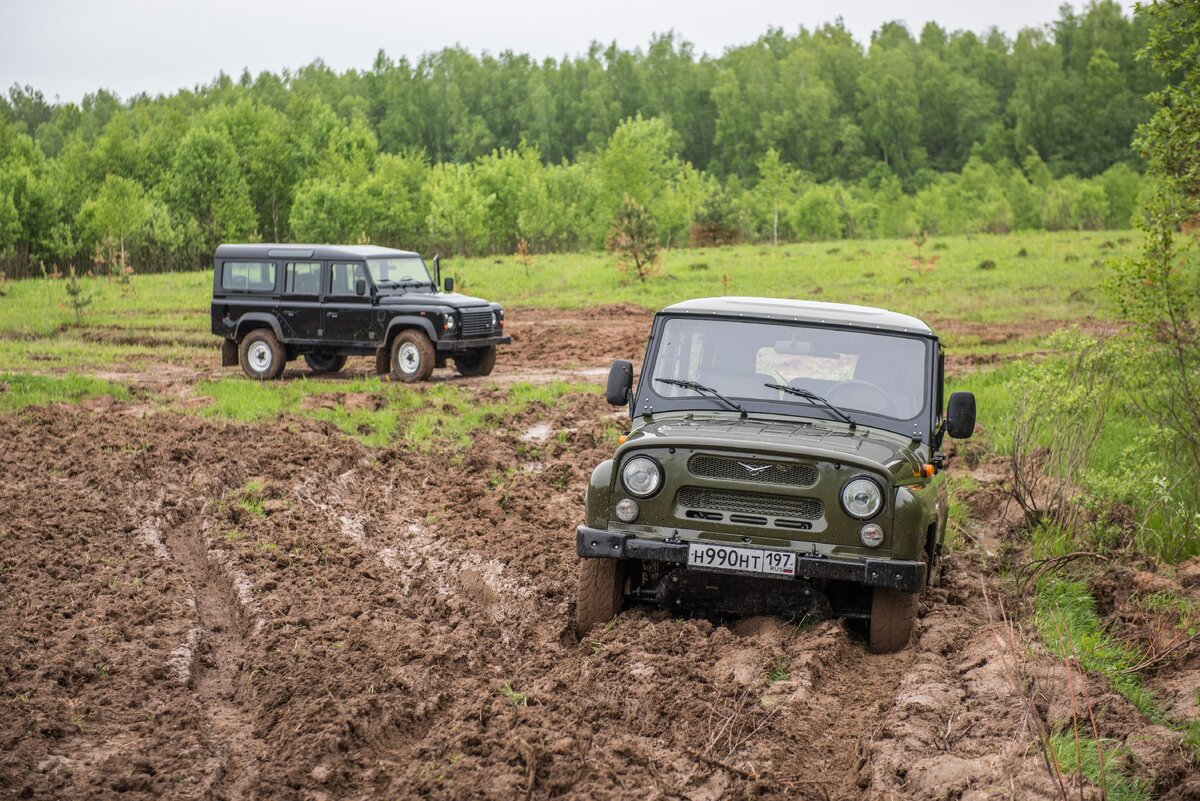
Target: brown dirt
[396, 624]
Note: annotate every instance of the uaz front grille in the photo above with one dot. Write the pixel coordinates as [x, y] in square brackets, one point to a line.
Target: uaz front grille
[476, 323]
[791, 475]
[751, 503]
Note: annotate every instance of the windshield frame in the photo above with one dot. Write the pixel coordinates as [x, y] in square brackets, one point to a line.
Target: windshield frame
[647, 400]
[376, 280]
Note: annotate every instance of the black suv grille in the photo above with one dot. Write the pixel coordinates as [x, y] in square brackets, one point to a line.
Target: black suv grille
[791, 475]
[476, 323]
[751, 503]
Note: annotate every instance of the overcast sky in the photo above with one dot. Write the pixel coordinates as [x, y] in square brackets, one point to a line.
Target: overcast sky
[67, 49]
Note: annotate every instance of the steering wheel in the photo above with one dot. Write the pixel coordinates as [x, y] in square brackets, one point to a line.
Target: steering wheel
[853, 395]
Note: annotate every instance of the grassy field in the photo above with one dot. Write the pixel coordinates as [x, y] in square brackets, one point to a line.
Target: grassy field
[983, 279]
[989, 297]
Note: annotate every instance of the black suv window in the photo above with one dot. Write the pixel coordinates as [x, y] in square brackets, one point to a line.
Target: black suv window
[302, 278]
[248, 276]
[342, 277]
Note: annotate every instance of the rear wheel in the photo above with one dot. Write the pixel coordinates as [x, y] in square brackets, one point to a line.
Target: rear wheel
[479, 361]
[601, 591]
[324, 362]
[893, 614]
[261, 356]
[412, 356]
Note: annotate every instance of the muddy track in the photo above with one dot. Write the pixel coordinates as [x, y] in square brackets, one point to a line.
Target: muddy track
[220, 660]
[398, 624]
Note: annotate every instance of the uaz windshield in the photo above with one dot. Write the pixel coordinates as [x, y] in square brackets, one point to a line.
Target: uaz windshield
[399, 270]
[880, 374]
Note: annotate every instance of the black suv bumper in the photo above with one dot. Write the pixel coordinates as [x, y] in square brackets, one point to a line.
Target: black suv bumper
[595, 543]
[471, 344]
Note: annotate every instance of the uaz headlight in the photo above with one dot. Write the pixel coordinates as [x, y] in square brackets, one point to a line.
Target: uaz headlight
[641, 476]
[862, 498]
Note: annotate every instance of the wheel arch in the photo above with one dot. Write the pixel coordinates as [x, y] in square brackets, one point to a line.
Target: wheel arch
[253, 322]
[398, 324]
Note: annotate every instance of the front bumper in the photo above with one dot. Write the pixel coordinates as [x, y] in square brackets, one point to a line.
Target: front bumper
[471, 344]
[595, 543]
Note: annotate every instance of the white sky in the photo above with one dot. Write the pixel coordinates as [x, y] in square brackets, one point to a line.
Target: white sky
[67, 49]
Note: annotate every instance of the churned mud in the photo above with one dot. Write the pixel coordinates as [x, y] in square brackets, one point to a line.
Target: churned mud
[193, 609]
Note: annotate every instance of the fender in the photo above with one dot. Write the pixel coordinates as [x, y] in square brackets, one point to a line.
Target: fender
[409, 321]
[258, 317]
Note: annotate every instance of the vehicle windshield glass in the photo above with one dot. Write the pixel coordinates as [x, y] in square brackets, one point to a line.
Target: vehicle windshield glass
[399, 270]
[876, 373]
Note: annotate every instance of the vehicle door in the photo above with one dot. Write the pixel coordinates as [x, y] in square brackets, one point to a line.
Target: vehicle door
[347, 313]
[300, 306]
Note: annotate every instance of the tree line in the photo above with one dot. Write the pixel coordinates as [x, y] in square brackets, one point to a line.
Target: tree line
[805, 136]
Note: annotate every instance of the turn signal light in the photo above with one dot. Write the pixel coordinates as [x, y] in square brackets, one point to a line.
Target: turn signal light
[621, 439]
[926, 471]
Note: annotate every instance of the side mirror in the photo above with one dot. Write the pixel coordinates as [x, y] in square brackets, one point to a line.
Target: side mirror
[620, 382]
[449, 284]
[960, 416]
[360, 287]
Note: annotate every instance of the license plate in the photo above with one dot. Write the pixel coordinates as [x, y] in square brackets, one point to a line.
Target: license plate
[745, 560]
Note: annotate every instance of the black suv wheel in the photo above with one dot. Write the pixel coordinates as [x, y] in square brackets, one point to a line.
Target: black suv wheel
[479, 361]
[261, 355]
[413, 356]
[324, 362]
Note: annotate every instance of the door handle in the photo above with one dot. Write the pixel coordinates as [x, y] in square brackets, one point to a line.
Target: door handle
[331, 314]
[290, 312]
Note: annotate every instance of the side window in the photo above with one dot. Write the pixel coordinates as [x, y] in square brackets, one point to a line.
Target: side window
[343, 276]
[248, 276]
[302, 278]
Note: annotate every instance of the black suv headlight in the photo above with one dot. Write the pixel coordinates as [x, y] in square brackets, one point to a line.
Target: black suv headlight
[641, 476]
[862, 497]
[450, 323]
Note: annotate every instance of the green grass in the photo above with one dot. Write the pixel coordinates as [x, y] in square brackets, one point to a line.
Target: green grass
[172, 302]
[778, 670]
[251, 499]
[18, 390]
[1057, 281]
[1066, 619]
[1084, 758]
[515, 698]
[427, 417]
[1047, 284]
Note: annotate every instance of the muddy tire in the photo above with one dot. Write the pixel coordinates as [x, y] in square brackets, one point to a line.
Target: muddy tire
[261, 356]
[324, 363]
[893, 614]
[413, 356]
[601, 591]
[480, 361]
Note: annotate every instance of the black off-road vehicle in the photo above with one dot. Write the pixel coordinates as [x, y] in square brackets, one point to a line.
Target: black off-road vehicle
[274, 303]
[784, 457]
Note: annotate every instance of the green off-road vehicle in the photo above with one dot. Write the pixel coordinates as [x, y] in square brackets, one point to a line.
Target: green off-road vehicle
[783, 458]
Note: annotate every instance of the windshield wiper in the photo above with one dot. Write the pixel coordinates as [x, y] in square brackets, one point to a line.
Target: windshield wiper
[692, 385]
[386, 282]
[812, 396]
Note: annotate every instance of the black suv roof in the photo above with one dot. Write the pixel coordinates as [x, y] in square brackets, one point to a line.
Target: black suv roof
[268, 250]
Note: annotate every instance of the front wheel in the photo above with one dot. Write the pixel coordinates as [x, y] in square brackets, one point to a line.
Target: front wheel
[320, 362]
[261, 355]
[893, 614]
[600, 593]
[478, 361]
[413, 356]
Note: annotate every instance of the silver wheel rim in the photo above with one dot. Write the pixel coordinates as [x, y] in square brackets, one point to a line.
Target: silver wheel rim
[260, 357]
[409, 358]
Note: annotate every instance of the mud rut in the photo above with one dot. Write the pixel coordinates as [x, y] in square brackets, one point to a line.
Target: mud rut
[218, 663]
[397, 624]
